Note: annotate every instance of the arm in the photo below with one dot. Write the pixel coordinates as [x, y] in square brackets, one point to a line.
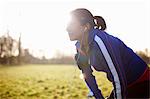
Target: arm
[91, 82]
[82, 62]
[90, 94]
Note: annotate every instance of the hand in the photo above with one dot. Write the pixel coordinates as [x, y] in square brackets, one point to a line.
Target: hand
[90, 94]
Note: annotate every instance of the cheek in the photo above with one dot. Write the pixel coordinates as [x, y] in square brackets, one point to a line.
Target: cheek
[73, 36]
[75, 33]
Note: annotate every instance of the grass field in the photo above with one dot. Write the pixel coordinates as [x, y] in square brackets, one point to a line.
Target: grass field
[46, 82]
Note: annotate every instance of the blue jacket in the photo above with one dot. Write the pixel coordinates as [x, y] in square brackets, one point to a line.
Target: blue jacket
[128, 66]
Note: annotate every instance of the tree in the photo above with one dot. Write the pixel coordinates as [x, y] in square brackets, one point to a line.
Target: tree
[9, 49]
[144, 55]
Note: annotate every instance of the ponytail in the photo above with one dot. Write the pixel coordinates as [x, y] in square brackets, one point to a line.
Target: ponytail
[100, 22]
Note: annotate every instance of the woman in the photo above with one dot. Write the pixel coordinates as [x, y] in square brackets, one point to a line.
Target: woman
[127, 71]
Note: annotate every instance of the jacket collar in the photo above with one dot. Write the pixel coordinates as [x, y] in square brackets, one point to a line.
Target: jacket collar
[92, 34]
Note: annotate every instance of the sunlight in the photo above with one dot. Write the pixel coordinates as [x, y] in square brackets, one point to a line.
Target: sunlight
[43, 24]
[81, 76]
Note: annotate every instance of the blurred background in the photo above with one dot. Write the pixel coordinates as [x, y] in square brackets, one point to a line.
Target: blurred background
[35, 48]
[38, 28]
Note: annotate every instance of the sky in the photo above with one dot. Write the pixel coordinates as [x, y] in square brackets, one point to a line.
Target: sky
[42, 23]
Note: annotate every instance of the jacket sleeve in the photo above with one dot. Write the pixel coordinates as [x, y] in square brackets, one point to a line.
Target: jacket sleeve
[91, 82]
[82, 62]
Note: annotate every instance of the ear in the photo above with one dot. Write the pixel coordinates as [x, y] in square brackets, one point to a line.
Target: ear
[87, 27]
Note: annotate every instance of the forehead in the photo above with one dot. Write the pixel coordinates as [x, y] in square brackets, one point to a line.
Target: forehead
[81, 19]
[74, 20]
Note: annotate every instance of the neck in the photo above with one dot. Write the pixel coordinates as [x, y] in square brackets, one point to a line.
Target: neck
[84, 42]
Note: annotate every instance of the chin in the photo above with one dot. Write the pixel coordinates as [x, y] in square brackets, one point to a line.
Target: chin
[72, 39]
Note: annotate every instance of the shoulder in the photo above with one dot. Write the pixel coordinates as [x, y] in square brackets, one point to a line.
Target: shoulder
[95, 52]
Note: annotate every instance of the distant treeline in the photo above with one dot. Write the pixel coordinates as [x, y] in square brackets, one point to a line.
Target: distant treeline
[145, 55]
[30, 59]
[12, 53]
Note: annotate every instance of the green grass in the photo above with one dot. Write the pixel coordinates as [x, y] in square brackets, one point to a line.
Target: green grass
[46, 82]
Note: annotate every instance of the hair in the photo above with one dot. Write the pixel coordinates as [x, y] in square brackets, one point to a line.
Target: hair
[85, 16]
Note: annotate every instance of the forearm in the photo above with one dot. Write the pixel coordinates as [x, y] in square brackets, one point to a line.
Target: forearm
[91, 82]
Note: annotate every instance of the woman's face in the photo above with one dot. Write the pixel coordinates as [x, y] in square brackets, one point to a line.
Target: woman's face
[75, 29]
